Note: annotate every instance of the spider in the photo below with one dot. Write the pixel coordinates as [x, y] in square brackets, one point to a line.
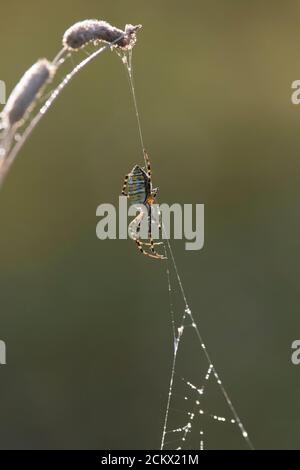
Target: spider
[138, 184]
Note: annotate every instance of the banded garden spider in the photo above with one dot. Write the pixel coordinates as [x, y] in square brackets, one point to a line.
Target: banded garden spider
[138, 189]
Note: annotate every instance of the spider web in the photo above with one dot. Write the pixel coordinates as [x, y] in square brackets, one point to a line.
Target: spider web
[194, 414]
[196, 402]
[198, 409]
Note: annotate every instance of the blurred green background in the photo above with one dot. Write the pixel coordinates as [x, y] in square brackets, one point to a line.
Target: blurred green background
[86, 322]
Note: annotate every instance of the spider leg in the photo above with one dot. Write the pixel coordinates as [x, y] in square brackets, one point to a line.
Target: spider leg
[153, 244]
[150, 255]
[124, 186]
[157, 220]
[149, 221]
[153, 254]
[149, 173]
[153, 251]
[139, 243]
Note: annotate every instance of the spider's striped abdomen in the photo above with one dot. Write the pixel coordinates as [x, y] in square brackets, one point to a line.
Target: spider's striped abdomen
[137, 186]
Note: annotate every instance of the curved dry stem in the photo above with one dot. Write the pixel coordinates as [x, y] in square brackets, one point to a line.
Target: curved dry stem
[10, 158]
[7, 162]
